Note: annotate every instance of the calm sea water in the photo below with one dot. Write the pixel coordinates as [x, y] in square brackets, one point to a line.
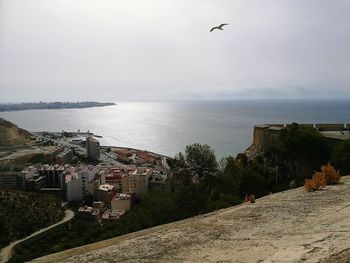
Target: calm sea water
[167, 127]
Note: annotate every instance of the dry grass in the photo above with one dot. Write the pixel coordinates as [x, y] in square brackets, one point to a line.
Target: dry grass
[328, 175]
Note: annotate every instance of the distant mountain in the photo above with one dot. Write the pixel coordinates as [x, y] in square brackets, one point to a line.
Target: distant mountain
[11, 135]
[52, 105]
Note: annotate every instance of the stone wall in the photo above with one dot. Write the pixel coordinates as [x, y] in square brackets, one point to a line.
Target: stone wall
[330, 127]
[265, 135]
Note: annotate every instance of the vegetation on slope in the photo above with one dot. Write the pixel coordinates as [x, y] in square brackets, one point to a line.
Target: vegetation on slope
[23, 213]
[340, 157]
[11, 135]
[202, 184]
[327, 176]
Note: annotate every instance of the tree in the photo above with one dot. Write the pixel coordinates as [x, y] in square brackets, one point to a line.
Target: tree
[303, 145]
[177, 162]
[225, 188]
[340, 157]
[230, 177]
[201, 159]
[257, 179]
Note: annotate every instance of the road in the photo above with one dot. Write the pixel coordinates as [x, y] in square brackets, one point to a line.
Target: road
[6, 252]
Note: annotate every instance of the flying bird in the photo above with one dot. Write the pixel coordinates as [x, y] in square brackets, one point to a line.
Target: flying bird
[218, 27]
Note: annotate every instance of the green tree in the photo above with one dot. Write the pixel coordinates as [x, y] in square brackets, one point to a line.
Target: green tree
[300, 144]
[225, 188]
[201, 159]
[229, 179]
[257, 179]
[340, 157]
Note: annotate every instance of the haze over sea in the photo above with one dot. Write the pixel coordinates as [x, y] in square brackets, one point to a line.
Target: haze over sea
[167, 127]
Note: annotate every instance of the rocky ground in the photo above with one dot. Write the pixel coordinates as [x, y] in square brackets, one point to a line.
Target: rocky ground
[291, 226]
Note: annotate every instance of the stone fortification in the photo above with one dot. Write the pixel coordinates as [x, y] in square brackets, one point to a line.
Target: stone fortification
[266, 135]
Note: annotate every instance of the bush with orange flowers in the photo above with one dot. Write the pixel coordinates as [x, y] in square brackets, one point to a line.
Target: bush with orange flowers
[328, 175]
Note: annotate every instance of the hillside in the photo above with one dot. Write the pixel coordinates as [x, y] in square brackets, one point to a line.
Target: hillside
[11, 135]
[23, 213]
[291, 226]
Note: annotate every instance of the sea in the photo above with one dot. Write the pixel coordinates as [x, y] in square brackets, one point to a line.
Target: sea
[167, 127]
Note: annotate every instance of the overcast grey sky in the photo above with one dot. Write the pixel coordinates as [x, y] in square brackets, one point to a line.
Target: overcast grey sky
[113, 50]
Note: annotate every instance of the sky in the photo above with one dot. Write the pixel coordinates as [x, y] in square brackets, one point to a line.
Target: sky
[137, 50]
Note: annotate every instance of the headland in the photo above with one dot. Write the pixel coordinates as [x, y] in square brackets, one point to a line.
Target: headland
[52, 105]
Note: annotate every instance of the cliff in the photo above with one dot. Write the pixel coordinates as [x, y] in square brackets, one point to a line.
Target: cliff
[11, 135]
[291, 226]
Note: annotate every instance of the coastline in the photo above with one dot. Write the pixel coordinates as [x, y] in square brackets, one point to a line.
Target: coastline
[11, 107]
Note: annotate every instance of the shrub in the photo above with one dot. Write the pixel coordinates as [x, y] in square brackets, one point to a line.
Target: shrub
[309, 185]
[331, 175]
[250, 198]
[328, 175]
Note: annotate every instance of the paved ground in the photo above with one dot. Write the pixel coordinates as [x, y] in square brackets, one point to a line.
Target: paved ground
[292, 226]
[337, 135]
[6, 252]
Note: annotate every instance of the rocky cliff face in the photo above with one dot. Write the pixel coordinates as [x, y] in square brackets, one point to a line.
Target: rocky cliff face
[291, 226]
[11, 135]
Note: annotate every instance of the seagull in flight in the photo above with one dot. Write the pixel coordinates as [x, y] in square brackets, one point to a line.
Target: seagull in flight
[218, 27]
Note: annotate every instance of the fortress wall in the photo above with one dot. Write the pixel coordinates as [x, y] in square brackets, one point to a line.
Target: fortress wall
[276, 125]
[266, 135]
[330, 127]
[306, 125]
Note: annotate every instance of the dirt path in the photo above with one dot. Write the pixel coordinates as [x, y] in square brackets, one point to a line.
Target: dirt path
[6, 252]
[291, 226]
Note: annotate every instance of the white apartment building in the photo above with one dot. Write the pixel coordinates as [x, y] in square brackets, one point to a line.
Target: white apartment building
[80, 182]
[87, 175]
[74, 190]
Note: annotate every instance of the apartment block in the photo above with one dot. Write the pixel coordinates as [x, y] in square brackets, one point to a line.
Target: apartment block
[136, 182]
[93, 149]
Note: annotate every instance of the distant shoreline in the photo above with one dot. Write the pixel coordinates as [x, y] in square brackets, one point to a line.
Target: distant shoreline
[52, 105]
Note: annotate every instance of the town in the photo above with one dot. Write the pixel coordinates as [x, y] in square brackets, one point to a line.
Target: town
[104, 182]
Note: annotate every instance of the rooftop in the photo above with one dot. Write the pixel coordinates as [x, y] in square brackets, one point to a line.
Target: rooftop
[122, 197]
[141, 171]
[107, 187]
[112, 214]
